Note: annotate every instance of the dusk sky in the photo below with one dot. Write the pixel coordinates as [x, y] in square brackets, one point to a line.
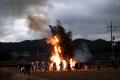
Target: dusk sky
[85, 18]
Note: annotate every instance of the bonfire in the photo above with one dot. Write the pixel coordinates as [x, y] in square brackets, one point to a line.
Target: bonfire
[57, 56]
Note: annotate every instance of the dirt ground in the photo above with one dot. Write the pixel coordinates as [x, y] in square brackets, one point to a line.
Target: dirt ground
[90, 74]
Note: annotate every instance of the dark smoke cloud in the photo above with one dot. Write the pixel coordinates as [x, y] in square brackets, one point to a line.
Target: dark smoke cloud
[18, 8]
[12, 10]
[36, 23]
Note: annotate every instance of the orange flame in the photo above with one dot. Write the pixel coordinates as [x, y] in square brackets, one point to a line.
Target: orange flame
[56, 56]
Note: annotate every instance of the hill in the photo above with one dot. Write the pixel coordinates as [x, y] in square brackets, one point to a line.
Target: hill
[40, 48]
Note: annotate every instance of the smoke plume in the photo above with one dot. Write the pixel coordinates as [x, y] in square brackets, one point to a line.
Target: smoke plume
[36, 23]
[83, 54]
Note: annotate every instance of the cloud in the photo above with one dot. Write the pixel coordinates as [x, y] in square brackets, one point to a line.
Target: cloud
[87, 16]
[80, 16]
[18, 8]
[36, 23]
[13, 11]
[19, 32]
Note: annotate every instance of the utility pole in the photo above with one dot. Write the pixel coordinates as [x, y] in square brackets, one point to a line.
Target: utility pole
[112, 29]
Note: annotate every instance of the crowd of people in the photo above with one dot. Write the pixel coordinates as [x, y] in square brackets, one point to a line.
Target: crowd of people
[24, 67]
[28, 67]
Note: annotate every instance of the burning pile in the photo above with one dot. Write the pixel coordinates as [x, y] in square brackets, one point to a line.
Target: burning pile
[58, 58]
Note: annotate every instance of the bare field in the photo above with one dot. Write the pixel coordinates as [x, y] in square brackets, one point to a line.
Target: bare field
[92, 74]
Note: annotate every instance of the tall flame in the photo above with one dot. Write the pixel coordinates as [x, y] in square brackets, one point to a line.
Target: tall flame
[56, 55]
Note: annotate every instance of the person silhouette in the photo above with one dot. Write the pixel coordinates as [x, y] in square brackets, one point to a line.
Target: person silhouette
[76, 66]
[68, 67]
[54, 67]
[61, 65]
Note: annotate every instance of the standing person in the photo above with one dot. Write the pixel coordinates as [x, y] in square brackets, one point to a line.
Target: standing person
[46, 66]
[76, 66]
[43, 66]
[32, 66]
[37, 65]
[40, 65]
[27, 68]
[21, 67]
[61, 65]
[54, 67]
[68, 67]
